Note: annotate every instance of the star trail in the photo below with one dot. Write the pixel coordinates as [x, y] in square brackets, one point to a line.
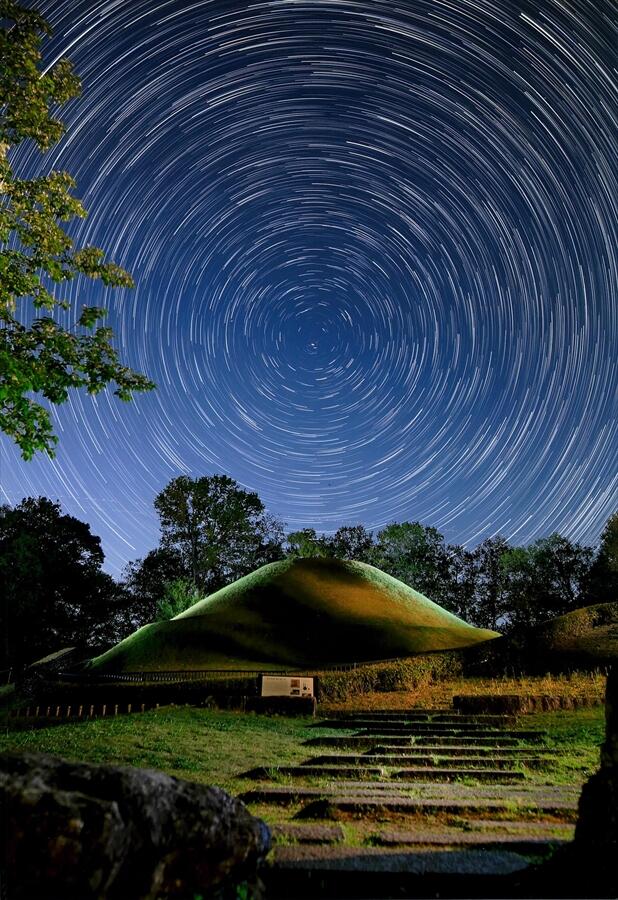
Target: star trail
[375, 251]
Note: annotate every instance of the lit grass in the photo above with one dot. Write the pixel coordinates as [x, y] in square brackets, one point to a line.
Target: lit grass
[573, 738]
[296, 613]
[591, 632]
[211, 747]
[216, 747]
[439, 693]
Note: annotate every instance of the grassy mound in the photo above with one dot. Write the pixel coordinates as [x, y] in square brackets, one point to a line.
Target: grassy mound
[591, 631]
[296, 614]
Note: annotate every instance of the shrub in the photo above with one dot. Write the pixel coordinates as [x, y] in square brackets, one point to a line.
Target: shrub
[396, 675]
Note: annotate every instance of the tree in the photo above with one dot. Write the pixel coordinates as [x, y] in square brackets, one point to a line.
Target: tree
[415, 554]
[462, 582]
[608, 548]
[54, 592]
[352, 542]
[307, 544]
[220, 530]
[40, 356]
[545, 579]
[145, 581]
[603, 586]
[178, 595]
[491, 582]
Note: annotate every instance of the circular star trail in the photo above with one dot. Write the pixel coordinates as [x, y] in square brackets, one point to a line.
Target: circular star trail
[375, 254]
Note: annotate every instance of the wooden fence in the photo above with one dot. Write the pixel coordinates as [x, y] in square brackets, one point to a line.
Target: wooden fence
[78, 711]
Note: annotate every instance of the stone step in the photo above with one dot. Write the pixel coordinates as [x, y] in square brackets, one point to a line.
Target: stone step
[418, 758]
[330, 807]
[497, 776]
[388, 725]
[452, 731]
[455, 718]
[371, 872]
[524, 840]
[493, 826]
[269, 772]
[431, 739]
[521, 792]
[355, 740]
[430, 798]
[453, 750]
[415, 713]
[307, 834]
[261, 773]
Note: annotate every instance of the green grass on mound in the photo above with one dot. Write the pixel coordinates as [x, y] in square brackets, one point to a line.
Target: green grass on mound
[295, 614]
[591, 631]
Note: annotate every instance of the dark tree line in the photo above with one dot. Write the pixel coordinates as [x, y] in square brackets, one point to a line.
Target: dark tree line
[55, 592]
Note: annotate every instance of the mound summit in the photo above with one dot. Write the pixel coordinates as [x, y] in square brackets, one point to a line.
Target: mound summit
[294, 614]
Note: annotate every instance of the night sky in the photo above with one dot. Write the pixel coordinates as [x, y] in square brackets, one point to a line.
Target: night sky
[375, 251]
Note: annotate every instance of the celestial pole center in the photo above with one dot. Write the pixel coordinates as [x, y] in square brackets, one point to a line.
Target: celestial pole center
[375, 249]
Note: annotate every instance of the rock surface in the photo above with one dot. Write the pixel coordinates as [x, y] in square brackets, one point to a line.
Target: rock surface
[83, 831]
[597, 825]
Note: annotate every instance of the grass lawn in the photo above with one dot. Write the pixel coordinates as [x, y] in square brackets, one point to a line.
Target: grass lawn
[209, 746]
[574, 737]
[215, 747]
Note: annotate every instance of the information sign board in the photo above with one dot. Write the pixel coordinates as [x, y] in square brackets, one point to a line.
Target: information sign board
[287, 686]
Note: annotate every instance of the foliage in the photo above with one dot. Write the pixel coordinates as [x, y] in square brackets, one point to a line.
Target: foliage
[54, 593]
[399, 675]
[604, 572]
[220, 531]
[546, 579]
[145, 581]
[463, 578]
[306, 544]
[609, 543]
[178, 596]
[404, 674]
[40, 356]
[352, 542]
[415, 554]
[491, 582]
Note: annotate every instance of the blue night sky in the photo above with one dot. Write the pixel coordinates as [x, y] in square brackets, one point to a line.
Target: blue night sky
[375, 251]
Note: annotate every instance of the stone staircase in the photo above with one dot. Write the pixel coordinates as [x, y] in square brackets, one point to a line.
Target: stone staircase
[402, 803]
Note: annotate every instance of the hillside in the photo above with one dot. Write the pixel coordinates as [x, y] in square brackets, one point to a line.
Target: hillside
[295, 614]
[591, 631]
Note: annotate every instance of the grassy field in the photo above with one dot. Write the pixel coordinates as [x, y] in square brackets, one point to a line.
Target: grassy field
[296, 613]
[208, 746]
[215, 747]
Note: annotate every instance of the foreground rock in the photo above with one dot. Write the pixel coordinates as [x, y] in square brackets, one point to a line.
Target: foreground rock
[597, 826]
[84, 831]
[587, 867]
